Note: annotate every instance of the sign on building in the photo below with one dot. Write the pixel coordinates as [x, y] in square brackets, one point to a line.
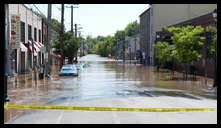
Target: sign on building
[15, 31]
[43, 49]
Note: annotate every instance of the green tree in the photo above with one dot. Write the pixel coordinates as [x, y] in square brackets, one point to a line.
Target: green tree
[163, 51]
[71, 46]
[187, 42]
[132, 29]
[120, 35]
[56, 25]
[212, 47]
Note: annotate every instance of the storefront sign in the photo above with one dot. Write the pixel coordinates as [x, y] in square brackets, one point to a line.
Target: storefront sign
[43, 49]
[15, 31]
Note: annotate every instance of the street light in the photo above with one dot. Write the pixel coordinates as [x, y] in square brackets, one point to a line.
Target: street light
[215, 79]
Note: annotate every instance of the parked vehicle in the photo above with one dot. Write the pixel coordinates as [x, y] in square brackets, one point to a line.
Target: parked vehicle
[79, 66]
[68, 70]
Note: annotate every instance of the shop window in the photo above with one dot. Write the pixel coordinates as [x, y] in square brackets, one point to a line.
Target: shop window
[39, 35]
[35, 34]
[29, 32]
[22, 32]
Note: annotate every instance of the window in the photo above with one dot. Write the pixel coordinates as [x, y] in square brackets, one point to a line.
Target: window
[22, 32]
[39, 35]
[35, 34]
[29, 32]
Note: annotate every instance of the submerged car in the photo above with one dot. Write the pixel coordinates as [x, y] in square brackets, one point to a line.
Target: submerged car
[68, 70]
[79, 66]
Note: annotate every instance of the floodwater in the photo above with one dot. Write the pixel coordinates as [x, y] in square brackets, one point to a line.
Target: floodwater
[103, 78]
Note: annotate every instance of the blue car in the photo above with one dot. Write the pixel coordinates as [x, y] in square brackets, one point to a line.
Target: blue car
[79, 67]
[68, 70]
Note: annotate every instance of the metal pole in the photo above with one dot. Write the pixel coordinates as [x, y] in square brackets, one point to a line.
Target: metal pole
[61, 35]
[124, 50]
[72, 19]
[130, 55]
[135, 50]
[75, 30]
[49, 40]
[6, 72]
[33, 68]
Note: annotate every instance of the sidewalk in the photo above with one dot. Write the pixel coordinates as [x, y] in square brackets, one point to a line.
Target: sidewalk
[23, 89]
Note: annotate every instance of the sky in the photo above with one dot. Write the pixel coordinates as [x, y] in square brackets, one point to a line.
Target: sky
[97, 19]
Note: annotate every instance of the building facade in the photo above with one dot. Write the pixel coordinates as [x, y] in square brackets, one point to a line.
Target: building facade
[132, 46]
[205, 66]
[23, 58]
[159, 16]
[145, 36]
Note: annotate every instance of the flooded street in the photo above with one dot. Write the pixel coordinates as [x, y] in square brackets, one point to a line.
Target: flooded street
[103, 79]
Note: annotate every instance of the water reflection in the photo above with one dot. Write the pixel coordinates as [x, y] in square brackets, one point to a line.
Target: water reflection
[104, 78]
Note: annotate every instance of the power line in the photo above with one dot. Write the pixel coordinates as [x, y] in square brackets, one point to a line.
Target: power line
[37, 9]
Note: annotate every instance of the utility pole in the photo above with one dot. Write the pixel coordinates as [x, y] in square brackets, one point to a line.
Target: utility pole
[62, 36]
[75, 25]
[135, 50]
[34, 60]
[124, 50]
[72, 31]
[48, 48]
[72, 20]
[6, 72]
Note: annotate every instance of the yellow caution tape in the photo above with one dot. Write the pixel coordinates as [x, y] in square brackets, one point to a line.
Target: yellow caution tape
[108, 108]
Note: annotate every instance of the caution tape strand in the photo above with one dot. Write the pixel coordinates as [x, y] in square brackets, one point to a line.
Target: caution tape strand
[107, 108]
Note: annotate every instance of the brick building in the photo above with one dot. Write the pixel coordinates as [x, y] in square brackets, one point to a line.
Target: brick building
[31, 27]
[206, 65]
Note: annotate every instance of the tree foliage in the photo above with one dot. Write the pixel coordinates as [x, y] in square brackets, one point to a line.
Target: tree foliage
[187, 41]
[71, 45]
[163, 51]
[120, 35]
[132, 29]
[212, 47]
[105, 47]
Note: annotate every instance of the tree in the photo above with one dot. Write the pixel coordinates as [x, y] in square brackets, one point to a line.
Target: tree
[132, 29]
[187, 41]
[105, 47]
[71, 46]
[120, 35]
[163, 51]
[56, 25]
[212, 47]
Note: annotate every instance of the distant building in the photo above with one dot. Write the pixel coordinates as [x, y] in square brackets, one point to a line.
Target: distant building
[132, 46]
[145, 36]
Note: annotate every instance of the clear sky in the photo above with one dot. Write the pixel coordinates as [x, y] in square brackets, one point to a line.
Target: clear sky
[98, 19]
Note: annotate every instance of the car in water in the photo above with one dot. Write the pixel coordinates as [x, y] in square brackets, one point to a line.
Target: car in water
[68, 70]
[79, 66]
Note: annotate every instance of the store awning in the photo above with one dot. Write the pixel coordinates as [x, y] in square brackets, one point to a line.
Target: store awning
[39, 46]
[23, 47]
[35, 46]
